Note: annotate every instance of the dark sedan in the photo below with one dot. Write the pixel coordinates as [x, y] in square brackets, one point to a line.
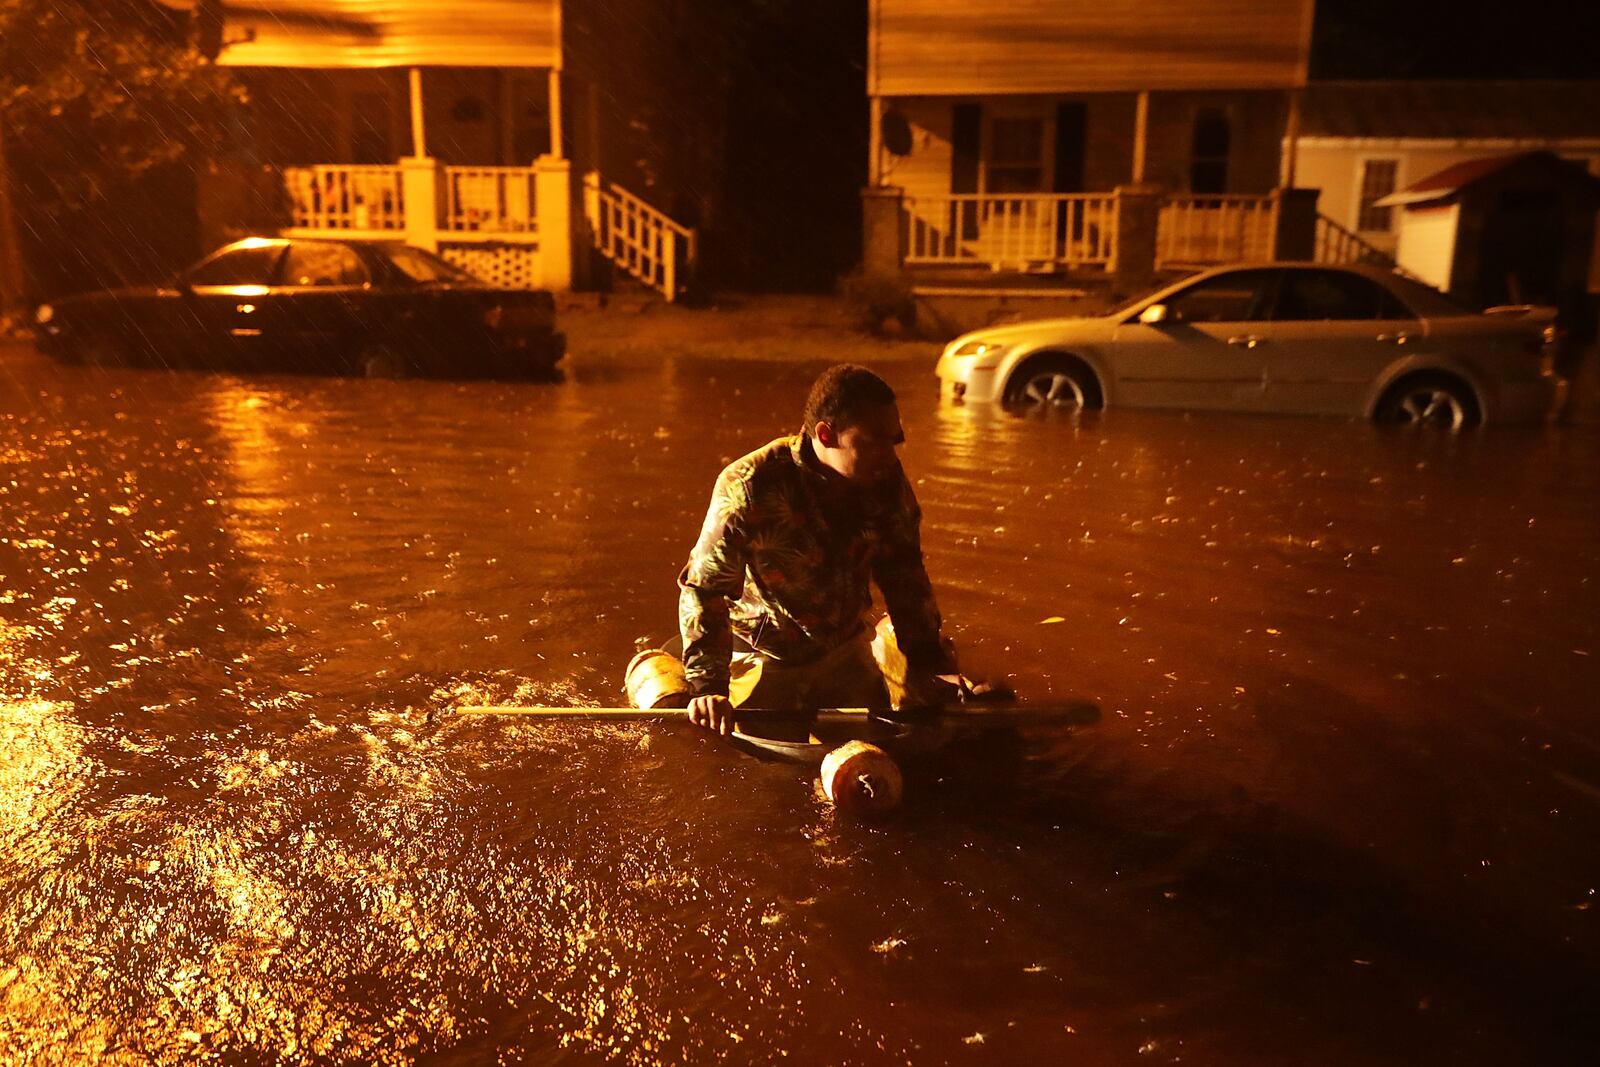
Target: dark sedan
[324, 306]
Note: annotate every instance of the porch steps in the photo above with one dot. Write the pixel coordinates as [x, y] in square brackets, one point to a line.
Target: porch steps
[638, 238]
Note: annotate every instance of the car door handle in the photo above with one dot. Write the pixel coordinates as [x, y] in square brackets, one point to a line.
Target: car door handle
[1245, 340]
[1398, 338]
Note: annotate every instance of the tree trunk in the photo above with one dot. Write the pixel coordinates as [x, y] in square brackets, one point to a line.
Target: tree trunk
[15, 299]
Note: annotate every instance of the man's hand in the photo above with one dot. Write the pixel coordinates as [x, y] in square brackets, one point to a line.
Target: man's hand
[713, 713]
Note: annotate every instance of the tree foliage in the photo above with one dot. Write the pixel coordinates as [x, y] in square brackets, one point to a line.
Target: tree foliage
[96, 94]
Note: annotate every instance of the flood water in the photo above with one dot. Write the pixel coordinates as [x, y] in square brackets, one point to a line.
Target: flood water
[1340, 804]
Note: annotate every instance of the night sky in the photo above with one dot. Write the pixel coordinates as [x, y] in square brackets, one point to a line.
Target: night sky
[1456, 39]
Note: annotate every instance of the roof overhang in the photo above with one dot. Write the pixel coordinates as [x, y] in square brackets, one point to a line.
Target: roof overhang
[1406, 198]
[335, 34]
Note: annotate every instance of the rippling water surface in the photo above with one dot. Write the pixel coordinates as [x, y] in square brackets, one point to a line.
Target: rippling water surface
[1340, 804]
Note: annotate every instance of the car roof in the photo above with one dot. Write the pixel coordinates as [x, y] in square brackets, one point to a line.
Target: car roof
[1410, 291]
[1364, 269]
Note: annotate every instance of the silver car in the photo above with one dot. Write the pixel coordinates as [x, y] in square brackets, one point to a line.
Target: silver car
[1282, 337]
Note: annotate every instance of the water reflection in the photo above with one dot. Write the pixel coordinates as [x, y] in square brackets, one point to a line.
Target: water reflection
[1341, 790]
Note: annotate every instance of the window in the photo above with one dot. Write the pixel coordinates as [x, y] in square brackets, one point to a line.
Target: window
[251, 265]
[1208, 160]
[1322, 295]
[1016, 156]
[322, 263]
[1377, 181]
[1239, 296]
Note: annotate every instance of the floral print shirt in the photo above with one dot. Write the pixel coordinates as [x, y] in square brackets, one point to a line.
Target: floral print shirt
[784, 561]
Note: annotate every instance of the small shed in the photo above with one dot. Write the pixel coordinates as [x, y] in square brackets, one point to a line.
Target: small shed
[1510, 229]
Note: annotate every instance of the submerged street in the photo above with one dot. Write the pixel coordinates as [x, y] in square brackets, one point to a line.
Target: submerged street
[1339, 805]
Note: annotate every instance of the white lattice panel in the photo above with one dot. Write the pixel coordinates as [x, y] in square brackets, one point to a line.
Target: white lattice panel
[515, 266]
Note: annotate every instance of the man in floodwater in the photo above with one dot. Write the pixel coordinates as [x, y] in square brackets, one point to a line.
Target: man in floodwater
[795, 532]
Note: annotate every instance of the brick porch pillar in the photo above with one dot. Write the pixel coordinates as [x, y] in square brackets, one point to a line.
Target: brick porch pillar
[1133, 256]
[883, 230]
[1295, 236]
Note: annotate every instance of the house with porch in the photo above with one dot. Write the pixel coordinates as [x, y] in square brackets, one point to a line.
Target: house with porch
[1026, 149]
[522, 139]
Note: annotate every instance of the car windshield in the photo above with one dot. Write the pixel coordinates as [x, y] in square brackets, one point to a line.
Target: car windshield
[422, 266]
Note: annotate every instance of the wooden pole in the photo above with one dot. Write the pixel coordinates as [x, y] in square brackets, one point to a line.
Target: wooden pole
[1069, 713]
[875, 144]
[419, 140]
[14, 294]
[1141, 130]
[1291, 140]
[555, 112]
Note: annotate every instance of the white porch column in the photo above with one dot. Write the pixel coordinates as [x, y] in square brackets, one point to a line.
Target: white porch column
[555, 112]
[552, 192]
[875, 144]
[419, 139]
[422, 185]
[1141, 131]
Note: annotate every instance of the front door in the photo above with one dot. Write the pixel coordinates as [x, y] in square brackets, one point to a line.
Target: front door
[1211, 352]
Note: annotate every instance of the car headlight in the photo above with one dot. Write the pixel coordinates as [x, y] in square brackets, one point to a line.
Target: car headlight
[45, 314]
[980, 348]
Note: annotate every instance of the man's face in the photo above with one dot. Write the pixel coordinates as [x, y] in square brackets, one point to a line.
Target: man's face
[864, 452]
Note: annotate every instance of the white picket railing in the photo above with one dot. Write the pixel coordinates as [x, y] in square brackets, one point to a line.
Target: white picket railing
[490, 199]
[1338, 245]
[637, 237]
[346, 197]
[1020, 231]
[1197, 230]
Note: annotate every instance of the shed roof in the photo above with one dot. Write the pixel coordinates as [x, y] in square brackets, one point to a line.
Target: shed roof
[1444, 184]
[1455, 110]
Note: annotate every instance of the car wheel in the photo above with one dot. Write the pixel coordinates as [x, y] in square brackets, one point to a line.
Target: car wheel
[1430, 400]
[1053, 385]
[383, 361]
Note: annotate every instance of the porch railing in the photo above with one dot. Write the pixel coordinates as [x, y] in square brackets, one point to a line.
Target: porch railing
[1195, 230]
[1037, 231]
[490, 199]
[637, 237]
[346, 197]
[1338, 245]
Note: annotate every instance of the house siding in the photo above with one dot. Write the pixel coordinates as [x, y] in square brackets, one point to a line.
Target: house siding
[925, 47]
[1256, 120]
[394, 33]
[1256, 124]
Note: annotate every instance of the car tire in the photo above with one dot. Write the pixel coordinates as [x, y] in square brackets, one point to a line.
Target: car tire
[1053, 384]
[1435, 400]
[383, 361]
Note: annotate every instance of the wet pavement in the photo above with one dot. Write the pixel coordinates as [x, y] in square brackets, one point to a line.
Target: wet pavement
[1339, 805]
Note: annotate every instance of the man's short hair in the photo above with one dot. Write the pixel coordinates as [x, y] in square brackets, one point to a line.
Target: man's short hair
[841, 394]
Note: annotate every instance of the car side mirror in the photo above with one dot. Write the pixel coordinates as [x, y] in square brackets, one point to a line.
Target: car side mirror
[1155, 314]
